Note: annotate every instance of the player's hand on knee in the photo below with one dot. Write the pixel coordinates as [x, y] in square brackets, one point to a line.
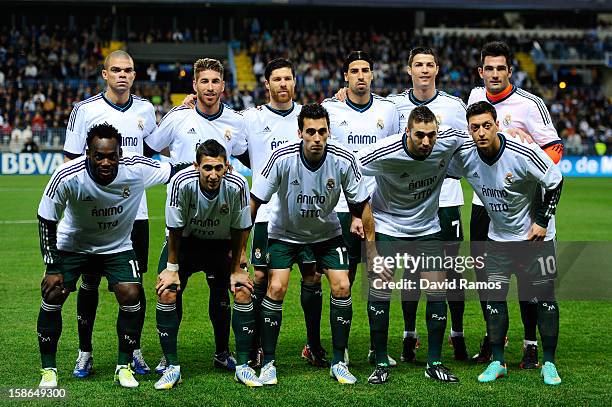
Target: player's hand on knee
[341, 94]
[240, 278]
[167, 278]
[536, 233]
[52, 287]
[357, 227]
[514, 132]
[190, 101]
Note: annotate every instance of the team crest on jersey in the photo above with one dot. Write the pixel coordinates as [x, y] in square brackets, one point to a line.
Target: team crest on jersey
[330, 184]
[228, 134]
[507, 120]
[438, 119]
[141, 123]
[257, 253]
[380, 123]
[509, 179]
[126, 191]
[224, 209]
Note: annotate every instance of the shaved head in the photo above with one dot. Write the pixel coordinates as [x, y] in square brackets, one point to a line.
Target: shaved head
[119, 54]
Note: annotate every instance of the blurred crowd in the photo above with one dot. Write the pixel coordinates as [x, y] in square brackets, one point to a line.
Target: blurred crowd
[45, 70]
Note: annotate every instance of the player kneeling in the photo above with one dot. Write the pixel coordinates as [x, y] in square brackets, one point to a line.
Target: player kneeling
[208, 218]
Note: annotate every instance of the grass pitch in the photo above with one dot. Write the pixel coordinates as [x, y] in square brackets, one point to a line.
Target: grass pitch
[585, 214]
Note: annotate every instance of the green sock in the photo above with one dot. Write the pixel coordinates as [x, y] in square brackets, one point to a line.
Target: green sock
[87, 304]
[127, 331]
[243, 323]
[49, 330]
[340, 316]
[435, 315]
[378, 315]
[259, 292]
[497, 327]
[311, 297]
[548, 323]
[270, 317]
[167, 328]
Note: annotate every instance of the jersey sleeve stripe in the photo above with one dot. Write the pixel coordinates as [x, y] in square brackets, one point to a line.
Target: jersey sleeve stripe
[528, 151]
[539, 103]
[276, 155]
[61, 175]
[178, 183]
[532, 156]
[174, 109]
[240, 185]
[376, 154]
[76, 107]
[141, 160]
[347, 156]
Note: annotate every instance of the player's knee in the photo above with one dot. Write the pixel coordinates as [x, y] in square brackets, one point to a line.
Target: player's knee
[260, 276]
[167, 297]
[276, 290]
[242, 295]
[55, 296]
[127, 294]
[341, 287]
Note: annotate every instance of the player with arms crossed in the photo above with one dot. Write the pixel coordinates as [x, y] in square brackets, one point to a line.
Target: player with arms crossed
[409, 169]
[268, 127]
[311, 175]
[518, 110]
[359, 118]
[182, 130]
[508, 177]
[99, 195]
[209, 219]
[423, 69]
[134, 118]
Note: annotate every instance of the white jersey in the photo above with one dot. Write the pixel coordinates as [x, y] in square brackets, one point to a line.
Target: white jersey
[508, 184]
[266, 130]
[309, 195]
[98, 218]
[183, 129]
[525, 111]
[134, 120]
[449, 111]
[207, 216]
[356, 128]
[405, 201]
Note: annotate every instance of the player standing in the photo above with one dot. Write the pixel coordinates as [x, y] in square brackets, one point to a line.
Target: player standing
[517, 109]
[182, 130]
[134, 117]
[311, 175]
[268, 127]
[423, 69]
[359, 118]
[410, 168]
[209, 219]
[99, 195]
[508, 177]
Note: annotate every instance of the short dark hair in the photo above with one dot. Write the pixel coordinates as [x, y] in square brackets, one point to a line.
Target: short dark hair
[421, 50]
[103, 130]
[357, 56]
[210, 148]
[480, 108]
[277, 63]
[421, 114]
[312, 111]
[496, 49]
